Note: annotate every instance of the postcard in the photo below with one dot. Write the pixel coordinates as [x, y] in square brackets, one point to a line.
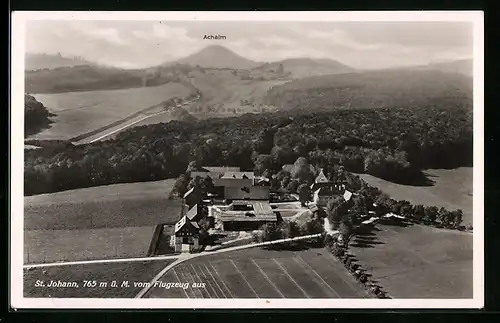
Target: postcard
[247, 160]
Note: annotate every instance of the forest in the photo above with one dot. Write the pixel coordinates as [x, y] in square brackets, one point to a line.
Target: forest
[390, 88]
[395, 144]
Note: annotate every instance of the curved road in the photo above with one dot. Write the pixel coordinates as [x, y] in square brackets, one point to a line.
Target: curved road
[122, 127]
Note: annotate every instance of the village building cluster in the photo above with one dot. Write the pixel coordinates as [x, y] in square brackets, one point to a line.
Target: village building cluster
[238, 201]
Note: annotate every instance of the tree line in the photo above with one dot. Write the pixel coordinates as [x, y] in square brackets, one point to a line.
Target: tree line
[36, 115]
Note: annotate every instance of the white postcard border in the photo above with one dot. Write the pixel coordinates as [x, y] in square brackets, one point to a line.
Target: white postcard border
[19, 19]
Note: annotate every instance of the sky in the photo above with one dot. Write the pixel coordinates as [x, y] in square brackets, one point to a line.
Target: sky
[362, 45]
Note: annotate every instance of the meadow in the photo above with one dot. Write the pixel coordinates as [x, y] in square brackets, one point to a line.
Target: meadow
[451, 188]
[224, 94]
[77, 113]
[259, 273]
[142, 271]
[121, 205]
[414, 261]
[48, 246]
[96, 223]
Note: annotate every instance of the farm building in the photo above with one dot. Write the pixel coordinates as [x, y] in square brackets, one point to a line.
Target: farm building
[321, 181]
[243, 215]
[323, 194]
[186, 235]
[213, 172]
[261, 181]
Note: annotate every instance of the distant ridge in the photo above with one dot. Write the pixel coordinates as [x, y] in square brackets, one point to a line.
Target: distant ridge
[462, 66]
[49, 61]
[303, 67]
[216, 56]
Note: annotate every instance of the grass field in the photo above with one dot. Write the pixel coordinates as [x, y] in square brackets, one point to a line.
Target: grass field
[119, 205]
[257, 273]
[417, 261]
[42, 246]
[451, 189]
[96, 223]
[132, 272]
[223, 93]
[124, 191]
[81, 112]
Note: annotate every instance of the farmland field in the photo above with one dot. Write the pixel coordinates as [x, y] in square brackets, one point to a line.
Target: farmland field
[119, 205]
[42, 246]
[96, 223]
[451, 189]
[142, 271]
[80, 112]
[417, 261]
[257, 273]
[224, 94]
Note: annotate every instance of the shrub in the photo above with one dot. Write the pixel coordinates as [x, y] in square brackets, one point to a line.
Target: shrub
[363, 278]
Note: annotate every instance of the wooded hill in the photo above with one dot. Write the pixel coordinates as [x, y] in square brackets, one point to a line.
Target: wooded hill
[374, 89]
[390, 143]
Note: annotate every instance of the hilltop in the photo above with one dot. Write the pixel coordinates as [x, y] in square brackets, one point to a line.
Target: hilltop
[374, 89]
[303, 67]
[48, 61]
[216, 56]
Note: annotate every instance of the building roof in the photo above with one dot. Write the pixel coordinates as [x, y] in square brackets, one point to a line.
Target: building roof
[238, 175]
[229, 216]
[247, 192]
[262, 207]
[220, 169]
[183, 221]
[321, 178]
[347, 195]
[232, 182]
[189, 192]
[192, 213]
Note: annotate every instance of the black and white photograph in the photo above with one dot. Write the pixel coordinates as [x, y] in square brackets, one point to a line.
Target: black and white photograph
[250, 160]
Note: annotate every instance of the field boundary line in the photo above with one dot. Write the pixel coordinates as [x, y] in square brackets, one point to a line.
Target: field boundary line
[291, 278]
[197, 276]
[182, 273]
[206, 279]
[179, 280]
[243, 276]
[100, 261]
[222, 280]
[187, 273]
[317, 275]
[215, 280]
[268, 279]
